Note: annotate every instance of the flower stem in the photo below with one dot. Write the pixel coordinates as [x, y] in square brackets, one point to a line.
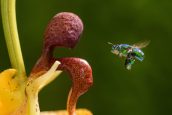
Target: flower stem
[11, 36]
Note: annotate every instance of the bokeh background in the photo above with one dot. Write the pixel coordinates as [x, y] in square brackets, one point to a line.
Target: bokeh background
[145, 90]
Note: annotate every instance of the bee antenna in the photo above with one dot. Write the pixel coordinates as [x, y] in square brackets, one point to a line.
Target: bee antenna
[110, 43]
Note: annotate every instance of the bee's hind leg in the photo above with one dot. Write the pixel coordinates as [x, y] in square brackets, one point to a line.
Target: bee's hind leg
[129, 61]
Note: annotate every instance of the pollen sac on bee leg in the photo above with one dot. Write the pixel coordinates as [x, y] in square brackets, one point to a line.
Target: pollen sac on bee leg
[129, 62]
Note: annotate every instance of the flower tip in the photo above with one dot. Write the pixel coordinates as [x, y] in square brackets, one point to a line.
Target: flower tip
[63, 30]
[8, 72]
[57, 63]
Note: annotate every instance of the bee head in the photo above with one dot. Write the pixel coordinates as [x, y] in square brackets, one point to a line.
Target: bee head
[115, 47]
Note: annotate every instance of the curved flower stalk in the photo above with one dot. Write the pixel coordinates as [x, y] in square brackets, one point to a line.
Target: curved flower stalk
[64, 30]
[18, 93]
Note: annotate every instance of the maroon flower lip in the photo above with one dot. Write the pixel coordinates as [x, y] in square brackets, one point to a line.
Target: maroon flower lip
[81, 75]
[64, 30]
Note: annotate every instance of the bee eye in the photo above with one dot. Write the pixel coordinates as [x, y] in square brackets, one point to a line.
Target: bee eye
[114, 47]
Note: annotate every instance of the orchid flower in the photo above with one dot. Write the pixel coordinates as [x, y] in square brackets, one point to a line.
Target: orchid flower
[19, 93]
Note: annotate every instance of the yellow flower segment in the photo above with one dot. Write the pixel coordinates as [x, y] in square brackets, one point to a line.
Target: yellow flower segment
[19, 97]
[11, 92]
[64, 112]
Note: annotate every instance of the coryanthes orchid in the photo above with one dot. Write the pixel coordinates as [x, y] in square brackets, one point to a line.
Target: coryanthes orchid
[18, 93]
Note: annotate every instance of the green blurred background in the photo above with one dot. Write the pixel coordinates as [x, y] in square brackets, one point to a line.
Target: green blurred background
[145, 90]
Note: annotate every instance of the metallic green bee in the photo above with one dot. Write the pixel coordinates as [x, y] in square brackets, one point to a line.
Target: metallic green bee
[130, 52]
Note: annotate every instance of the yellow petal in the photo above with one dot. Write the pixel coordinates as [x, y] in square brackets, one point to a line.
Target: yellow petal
[10, 93]
[64, 112]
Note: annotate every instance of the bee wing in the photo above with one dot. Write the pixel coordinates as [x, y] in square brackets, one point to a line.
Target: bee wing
[141, 44]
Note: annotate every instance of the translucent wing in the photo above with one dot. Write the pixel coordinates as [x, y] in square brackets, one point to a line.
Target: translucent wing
[141, 44]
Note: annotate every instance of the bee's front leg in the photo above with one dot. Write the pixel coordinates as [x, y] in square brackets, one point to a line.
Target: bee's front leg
[120, 55]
